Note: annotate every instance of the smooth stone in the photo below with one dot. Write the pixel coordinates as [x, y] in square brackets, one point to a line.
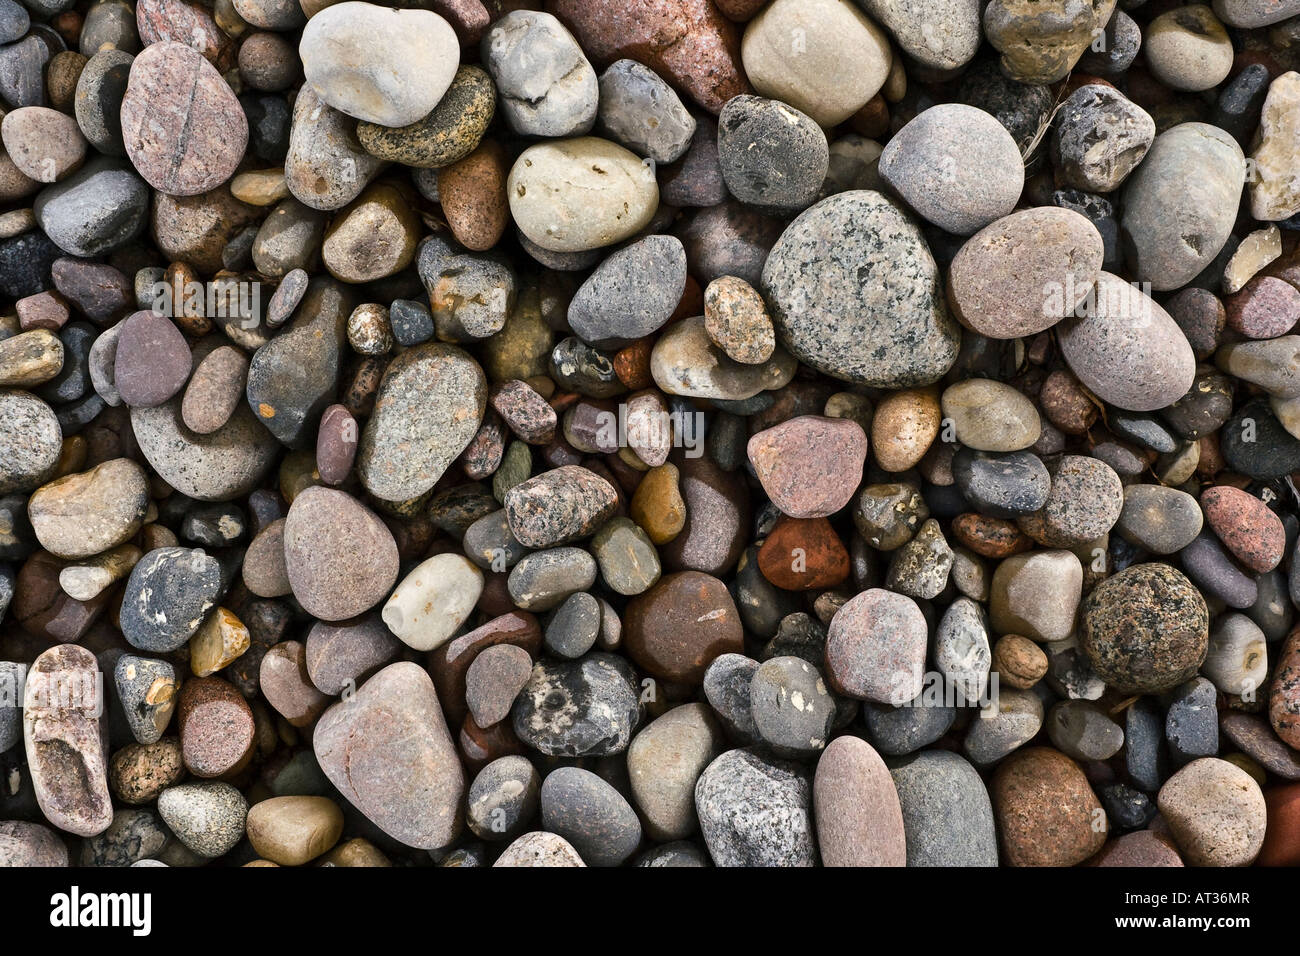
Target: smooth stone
[573, 195]
[84, 514]
[957, 166]
[1080, 729]
[503, 798]
[1036, 595]
[1127, 349]
[1273, 194]
[429, 406]
[545, 84]
[559, 506]
[875, 648]
[1192, 721]
[1084, 503]
[1145, 629]
[638, 110]
[1188, 49]
[432, 601]
[544, 579]
[1246, 526]
[214, 390]
[1004, 725]
[855, 269]
[207, 816]
[64, 742]
[225, 464]
[675, 630]
[792, 709]
[631, 294]
[686, 362]
[665, 761]
[1048, 813]
[101, 207]
[756, 811]
[493, 681]
[341, 656]
[591, 815]
[540, 849]
[30, 442]
[736, 320]
[856, 807]
[44, 144]
[30, 844]
[942, 36]
[292, 831]
[1170, 232]
[377, 64]
[182, 125]
[727, 683]
[151, 362]
[629, 563]
[1159, 520]
[1002, 486]
[169, 592]
[826, 58]
[947, 816]
[809, 466]
[1215, 812]
[340, 558]
[587, 707]
[990, 416]
[388, 752]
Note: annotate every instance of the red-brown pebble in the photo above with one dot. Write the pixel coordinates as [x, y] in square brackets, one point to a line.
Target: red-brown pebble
[676, 629]
[1282, 838]
[1047, 813]
[810, 466]
[804, 554]
[1246, 526]
[336, 444]
[153, 360]
[216, 727]
[1264, 309]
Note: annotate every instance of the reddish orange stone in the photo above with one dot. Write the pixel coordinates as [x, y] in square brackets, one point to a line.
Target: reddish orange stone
[990, 537]
[1282, 838]
[804, 554]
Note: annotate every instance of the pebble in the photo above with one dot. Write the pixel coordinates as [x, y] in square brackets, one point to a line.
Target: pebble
[629, 563]
[875, 648]
[572, 195]
[540, 849]
[292, 831]
[214, 390]
[631, 294]
[340, 558]
[1215, 812]
[1085, 502]
[773, 158]
[447, 134]
[665, 761]
[1037, 48]
[342, 656]
[81, 515]
[947, 816]
[1036, 595]
[152, 360]
[1188, 49]
[503, 798]
[1247, 528]
[1273, 196]
[182, 125]
[207, 816]
[542, 581]
[855, 269]
[1159, 211]
[432, 601]
[587, 707]
[217, 727]
[146, 689]
[493, 681]
[1100, 137]
[591, 815]
[957, 166]
[377, 64]
[545, 84]
[756, 812]
[809, 466]
[675, 630]
[62, 740]
[1159, 520]
[388, 751]
[840, 60]
[638, 110]
[1145, 629]
[1003, 727]
[222, 465]
[403, 452]
[856, 807]
[169, 592]
[97, 209]
[1046, 810]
